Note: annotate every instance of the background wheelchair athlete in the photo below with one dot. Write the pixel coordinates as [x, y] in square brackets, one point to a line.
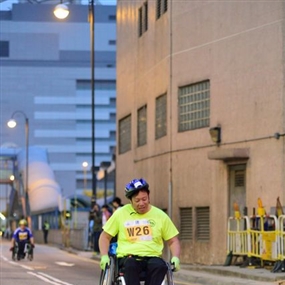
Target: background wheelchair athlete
[22, 241]
[141, 229]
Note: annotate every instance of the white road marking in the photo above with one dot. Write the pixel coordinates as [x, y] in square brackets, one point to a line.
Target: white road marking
[13, 262]
[64, 263]
[43, 278]
[54, 279]
[27, 267]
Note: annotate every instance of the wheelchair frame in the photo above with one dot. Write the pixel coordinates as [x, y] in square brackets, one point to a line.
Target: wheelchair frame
[112, 276]
[27, 250]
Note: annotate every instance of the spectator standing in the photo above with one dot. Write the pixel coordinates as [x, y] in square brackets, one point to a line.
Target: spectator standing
[106, 214]
[97, 228]
[117, 203]
[46, 227]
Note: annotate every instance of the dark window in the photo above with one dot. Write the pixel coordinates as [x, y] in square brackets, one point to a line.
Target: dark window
[143, 18]
[140, 21]
[4, 49]
[125, 134]
[112, 42]
[161, 7]
[99, 84]
[160, 116]
[112, 17]
[158, 9]
[142, 126]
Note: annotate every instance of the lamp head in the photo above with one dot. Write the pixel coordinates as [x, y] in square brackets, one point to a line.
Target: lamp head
[61, 11]
[11, 123]
[84, 164]
[215, 134]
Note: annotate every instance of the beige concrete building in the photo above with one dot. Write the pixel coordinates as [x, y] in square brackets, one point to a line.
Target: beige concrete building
[183, 68]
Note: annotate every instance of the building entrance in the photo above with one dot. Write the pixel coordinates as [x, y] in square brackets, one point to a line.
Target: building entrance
[237, 188]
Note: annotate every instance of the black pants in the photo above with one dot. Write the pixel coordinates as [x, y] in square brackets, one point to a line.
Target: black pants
[96, 236]
[155, 269]
[45, 236]
[21, 249]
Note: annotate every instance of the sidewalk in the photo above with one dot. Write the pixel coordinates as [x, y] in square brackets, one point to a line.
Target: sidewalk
[215, 275]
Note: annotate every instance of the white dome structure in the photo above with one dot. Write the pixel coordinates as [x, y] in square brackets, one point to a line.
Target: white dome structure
[44, 191]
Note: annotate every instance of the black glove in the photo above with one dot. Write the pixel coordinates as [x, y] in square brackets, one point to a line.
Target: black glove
[11, 248]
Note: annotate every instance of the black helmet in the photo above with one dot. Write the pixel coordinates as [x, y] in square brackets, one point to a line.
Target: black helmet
[135, 186]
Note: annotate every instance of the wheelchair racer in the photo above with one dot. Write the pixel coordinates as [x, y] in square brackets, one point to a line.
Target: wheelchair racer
[22, 235]
[142, 229]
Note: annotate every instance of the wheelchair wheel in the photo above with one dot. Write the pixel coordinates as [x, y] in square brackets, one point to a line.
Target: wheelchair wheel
[30, 256]
[14, 255]
[168, 279]
[15, 252]
[30, 252]
[169, 275]
[108, 275]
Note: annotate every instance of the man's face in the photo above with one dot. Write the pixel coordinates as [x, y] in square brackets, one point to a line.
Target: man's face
[140, 202]
[22, 227]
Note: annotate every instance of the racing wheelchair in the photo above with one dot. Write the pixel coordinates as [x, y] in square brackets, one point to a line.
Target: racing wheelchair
[28, 250]
[113, 275]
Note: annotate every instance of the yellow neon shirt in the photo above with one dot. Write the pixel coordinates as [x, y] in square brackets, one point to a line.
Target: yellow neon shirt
[140, 234]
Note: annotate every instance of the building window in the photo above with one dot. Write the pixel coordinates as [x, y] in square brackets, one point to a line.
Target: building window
[203, 223]
[186, 224]
[4, 49]
[98, 84]
[112, 42]
[112, 17]
[160, 116]
[194, 106]
[143, 18]
[161, 7]
[142, 126]
[125, 134]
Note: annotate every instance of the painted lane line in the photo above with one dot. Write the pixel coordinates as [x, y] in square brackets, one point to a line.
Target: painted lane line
[42, 278]
[64, 263]
[14, 263]
[27, 267]
[54, 279]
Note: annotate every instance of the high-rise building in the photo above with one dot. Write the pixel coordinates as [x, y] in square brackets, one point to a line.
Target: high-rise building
[45, 69]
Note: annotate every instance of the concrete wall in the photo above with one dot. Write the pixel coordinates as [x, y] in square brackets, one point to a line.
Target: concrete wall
[75, 238]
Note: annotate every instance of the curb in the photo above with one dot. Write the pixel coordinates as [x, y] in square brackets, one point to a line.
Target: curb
[209, 275]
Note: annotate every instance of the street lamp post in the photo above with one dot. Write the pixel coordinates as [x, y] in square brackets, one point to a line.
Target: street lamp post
[11, 124]
[61, 13]
[92, 38]
[84, 165]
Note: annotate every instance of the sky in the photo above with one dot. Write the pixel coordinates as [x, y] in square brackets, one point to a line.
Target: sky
[7, 4]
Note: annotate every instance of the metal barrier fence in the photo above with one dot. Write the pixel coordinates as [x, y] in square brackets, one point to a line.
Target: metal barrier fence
[264, 237]
[281, 238]
[256, 237]
[238, 236]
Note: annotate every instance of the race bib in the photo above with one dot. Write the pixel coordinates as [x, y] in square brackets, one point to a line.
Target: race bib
[138, 230]
[23, 236]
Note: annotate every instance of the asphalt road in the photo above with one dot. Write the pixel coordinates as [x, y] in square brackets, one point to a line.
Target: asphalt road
[50, 266]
